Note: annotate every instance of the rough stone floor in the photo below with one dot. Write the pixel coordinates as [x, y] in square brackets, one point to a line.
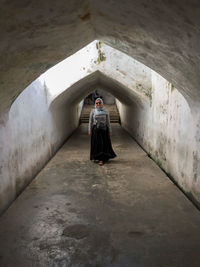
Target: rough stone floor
[76, 213]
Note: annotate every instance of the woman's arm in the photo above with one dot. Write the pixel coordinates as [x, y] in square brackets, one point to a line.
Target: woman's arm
[108, 124]
[90, 123]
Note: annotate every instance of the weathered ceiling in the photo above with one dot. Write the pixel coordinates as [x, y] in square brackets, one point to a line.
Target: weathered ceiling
[35, 35]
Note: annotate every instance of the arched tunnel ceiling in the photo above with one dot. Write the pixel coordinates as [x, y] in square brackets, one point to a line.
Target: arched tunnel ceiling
[163, 35]
[83, 87]
[76, 76]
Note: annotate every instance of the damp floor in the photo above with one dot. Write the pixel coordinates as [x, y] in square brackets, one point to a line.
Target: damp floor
[77, 213]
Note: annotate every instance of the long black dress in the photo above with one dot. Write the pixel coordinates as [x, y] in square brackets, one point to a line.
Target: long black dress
[101, 148]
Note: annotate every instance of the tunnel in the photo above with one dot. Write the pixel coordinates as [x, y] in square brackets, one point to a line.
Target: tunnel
[146, 55]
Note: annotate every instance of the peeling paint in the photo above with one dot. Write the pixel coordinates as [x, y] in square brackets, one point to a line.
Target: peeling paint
[146, 91]
[101, 55]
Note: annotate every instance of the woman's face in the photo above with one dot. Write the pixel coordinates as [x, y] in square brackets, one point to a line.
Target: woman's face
[98, 104]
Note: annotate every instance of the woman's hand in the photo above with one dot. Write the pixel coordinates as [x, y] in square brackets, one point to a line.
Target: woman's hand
[110, 133]
[89, 133]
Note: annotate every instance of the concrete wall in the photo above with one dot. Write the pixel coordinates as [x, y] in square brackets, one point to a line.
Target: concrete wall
[30, 137]
[168, 129]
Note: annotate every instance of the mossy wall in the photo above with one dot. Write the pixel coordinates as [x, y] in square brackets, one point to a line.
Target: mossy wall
[168, 129]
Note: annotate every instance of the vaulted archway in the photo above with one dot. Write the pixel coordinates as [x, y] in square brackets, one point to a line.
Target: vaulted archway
[48, 111]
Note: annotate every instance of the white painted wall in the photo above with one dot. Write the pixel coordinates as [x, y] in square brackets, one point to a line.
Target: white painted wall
[168, 129]
[30, 137]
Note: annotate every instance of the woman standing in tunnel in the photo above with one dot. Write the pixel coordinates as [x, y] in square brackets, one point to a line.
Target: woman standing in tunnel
[100, 131]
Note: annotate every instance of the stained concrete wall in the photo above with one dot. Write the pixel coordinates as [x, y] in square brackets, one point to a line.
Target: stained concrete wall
[168, 129]
[30, 137]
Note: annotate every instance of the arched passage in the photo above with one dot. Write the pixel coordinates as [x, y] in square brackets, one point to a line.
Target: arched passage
[83, 87]
[149, 32]
[32, 134]
[135, 85]
[162, 35]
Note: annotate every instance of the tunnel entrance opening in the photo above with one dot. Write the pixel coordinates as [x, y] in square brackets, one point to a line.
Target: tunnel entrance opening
[109, 102]
[107, 98]
[48, 111]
